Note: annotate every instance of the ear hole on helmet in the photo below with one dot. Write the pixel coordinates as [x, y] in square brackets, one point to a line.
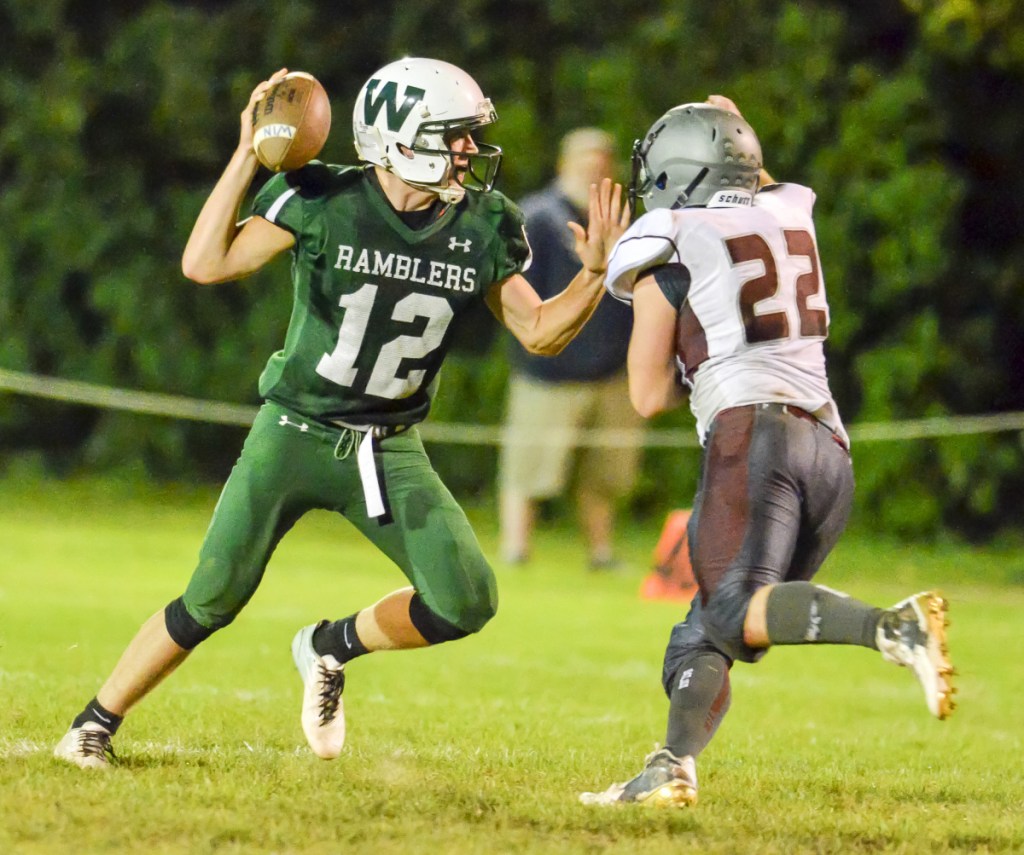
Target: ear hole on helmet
[661, 181]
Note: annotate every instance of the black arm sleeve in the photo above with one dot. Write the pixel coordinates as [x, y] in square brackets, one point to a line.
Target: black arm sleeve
[673, 279]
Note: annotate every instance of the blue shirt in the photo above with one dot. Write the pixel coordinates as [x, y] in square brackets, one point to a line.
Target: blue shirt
[599, 351]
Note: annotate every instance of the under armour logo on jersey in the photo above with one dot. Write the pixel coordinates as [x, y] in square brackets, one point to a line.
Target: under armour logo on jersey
[454, 243]
[302, 426]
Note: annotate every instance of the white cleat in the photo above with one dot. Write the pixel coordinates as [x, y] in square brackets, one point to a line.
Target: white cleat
[913, 634]
[607, 797]
[88, 747]
[666, 781]
[323, 714]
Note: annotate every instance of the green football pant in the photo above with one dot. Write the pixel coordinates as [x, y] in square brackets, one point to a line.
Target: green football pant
[290, 465]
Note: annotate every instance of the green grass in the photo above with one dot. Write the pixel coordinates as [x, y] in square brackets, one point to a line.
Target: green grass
[483, 745]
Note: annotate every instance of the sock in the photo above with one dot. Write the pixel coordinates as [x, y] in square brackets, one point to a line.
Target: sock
[699, 701]
[95, 712]
[802, 613]
[339, 639]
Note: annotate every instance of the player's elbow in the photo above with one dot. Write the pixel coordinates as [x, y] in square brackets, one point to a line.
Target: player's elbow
[547, 348]
[198, 272]
[646, 407]
[540, 343]
[194, 271]
[648, 402]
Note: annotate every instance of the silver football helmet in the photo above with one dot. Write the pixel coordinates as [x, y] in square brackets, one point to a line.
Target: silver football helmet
[693, 153]
[405, 117]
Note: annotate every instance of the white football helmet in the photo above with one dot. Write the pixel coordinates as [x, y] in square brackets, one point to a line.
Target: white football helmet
[420, 104]
[693, 155]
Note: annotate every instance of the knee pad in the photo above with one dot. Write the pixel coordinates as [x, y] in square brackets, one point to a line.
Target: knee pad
[184, 630]
[724, 615]
[434, 628]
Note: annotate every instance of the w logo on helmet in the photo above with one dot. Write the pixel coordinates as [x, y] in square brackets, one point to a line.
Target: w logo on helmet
[387, 99]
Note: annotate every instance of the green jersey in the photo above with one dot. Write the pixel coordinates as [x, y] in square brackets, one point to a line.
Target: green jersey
[376, 302]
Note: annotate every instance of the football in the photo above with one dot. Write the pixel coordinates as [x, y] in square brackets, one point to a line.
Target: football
[291, 122]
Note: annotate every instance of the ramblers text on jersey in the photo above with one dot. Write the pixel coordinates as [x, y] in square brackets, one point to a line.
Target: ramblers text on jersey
[393, 265]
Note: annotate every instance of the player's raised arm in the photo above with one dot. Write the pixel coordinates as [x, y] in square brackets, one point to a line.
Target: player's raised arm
[219, 248]
[545, 327]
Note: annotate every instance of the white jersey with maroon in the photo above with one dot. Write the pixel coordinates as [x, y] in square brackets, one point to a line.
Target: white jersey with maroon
[752, 327]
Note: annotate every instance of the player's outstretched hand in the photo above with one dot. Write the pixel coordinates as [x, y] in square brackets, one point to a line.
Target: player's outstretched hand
[245, 132]
[608, 219]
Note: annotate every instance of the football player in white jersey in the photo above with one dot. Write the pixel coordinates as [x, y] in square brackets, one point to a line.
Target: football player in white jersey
[728, 298]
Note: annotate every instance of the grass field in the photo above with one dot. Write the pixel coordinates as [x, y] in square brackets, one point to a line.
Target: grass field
[480, 746]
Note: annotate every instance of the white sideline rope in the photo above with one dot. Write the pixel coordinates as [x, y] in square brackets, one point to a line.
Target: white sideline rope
[241, 415]
[149, 403]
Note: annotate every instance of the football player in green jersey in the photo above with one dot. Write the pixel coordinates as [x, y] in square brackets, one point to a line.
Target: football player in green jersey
[387, 256]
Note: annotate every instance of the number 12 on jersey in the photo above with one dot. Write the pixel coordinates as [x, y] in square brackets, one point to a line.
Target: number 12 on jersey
[339, 366]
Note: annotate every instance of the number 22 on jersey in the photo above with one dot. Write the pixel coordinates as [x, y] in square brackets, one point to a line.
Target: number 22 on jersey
[765, 292]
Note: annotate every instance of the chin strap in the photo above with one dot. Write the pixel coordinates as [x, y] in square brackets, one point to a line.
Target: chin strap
[684, 197]
[450, 195]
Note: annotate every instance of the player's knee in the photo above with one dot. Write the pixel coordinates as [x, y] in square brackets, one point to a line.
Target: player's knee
[432, 626]
[724, 616]
[476, 612]
[216, 593]
[674, 657]
[455, 622]
[688, 639]
[183, 628]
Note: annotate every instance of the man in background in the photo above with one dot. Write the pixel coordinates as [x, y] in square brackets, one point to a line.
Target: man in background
[551, 400]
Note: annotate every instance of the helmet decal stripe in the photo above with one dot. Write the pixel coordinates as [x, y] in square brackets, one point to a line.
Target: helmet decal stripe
[387, 99]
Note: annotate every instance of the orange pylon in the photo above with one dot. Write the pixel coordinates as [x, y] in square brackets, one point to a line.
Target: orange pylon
[672, 577]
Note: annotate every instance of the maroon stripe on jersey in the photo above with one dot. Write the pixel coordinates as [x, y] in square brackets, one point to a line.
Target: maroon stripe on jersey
[691, 340]
[725, 505]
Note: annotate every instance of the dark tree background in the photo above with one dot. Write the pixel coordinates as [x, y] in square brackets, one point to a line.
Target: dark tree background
[116, 119]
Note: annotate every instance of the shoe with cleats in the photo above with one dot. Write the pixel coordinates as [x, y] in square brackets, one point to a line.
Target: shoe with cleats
[666, 781]
[323, 714]
[88, 747]
[913, 634]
